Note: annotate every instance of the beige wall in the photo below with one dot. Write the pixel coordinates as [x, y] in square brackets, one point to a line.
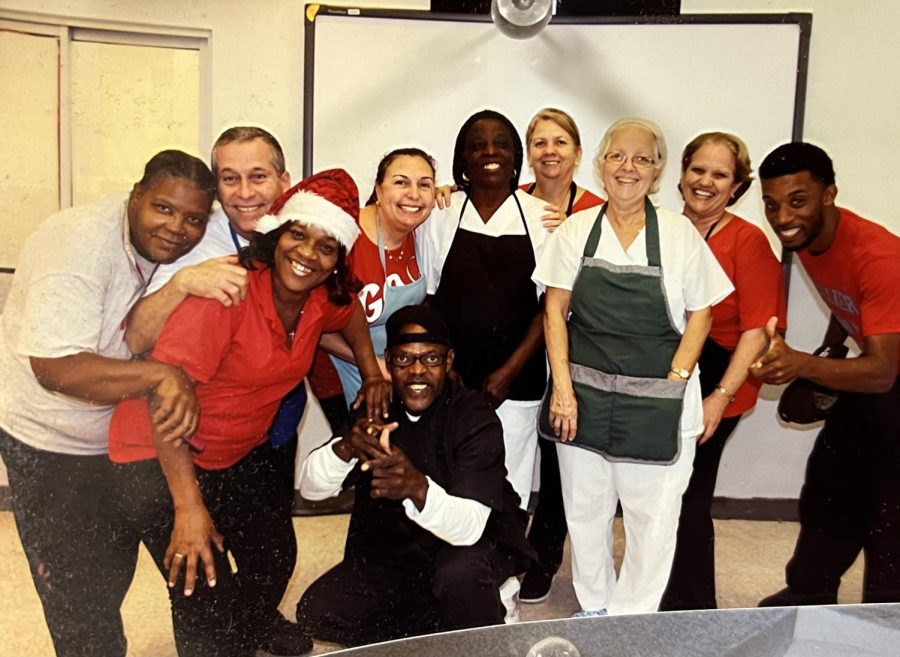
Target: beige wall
[853, 96]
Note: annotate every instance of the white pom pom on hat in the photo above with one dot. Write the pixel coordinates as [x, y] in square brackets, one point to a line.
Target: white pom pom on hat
[328, 199]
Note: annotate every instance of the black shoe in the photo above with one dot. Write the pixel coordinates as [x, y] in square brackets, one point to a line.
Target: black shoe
[535, 587]
[286, 639]
[788, 597]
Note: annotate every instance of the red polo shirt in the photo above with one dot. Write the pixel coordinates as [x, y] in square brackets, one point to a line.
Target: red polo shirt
[244, 368]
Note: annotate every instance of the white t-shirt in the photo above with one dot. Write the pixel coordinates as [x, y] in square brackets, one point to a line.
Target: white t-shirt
[77, 278]
[692, 277]
[216, 243]
[441, 228]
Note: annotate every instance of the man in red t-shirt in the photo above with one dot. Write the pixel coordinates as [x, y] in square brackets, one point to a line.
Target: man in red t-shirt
[850, 500]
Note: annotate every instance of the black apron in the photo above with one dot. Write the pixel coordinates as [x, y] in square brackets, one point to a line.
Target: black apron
[489, 301]
[621, 344]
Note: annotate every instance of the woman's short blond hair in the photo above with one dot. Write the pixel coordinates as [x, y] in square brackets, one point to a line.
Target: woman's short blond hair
[560, 118]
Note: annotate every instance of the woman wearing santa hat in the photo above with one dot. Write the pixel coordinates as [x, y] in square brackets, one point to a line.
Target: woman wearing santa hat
[190, 502]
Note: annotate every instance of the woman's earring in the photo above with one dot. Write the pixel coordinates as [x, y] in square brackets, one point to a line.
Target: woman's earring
[465, 176]
[335, 272]
[515, 173]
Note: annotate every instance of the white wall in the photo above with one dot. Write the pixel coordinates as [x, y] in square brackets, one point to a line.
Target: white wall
[852, 101]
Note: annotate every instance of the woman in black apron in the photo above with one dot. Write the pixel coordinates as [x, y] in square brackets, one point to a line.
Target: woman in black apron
[481, 254]
[553, 150]
[715, 172]
[629, 290]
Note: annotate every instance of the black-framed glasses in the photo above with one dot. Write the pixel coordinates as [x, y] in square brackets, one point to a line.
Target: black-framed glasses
[431, 359]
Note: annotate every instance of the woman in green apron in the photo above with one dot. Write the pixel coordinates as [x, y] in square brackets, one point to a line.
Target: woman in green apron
[629, 290]
[386, 258]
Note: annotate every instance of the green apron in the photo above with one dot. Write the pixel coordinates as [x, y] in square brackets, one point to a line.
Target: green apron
[621, 344]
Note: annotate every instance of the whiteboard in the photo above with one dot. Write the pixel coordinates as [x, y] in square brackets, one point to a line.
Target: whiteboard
[375, 81]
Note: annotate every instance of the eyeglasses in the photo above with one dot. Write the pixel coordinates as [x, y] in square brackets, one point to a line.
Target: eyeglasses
[640, 161]
[431, 359]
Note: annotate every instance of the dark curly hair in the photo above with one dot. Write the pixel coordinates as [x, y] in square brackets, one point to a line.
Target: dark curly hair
[342, 286]
[459, 165]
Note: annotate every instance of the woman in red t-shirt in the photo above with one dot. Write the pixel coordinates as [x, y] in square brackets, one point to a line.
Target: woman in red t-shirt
[715, 173]
[190, 503]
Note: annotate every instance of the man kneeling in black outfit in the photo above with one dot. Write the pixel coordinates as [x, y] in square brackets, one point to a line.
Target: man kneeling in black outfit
[436, 527]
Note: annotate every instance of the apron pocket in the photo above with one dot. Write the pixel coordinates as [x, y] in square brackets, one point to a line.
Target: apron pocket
[624, 418]
[645, 429]
[594, 417]
[646, 421]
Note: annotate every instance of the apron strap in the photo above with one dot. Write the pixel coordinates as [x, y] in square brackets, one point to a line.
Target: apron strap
[590, 247]
[651, 237]
[382, 251]
[521, 216]
[573, 189]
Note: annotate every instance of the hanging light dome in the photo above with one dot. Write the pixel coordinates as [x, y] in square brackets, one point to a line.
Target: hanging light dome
[521, 19]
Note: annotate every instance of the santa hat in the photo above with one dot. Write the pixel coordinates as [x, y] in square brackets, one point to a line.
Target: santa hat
[328, 200]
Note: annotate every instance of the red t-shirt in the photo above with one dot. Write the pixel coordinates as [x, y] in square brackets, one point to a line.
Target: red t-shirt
[858, 277]
[744, 253]
[244, 368]
[402, 269]
[587, 200]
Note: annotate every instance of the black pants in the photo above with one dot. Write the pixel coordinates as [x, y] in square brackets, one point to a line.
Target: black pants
[370, 599]
[548, 526]
[850, 501]
[81, 564]
[692, 584]
[249, 512]
[264, 577]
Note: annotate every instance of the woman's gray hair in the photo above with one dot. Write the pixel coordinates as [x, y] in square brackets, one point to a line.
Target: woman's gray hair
[629, 122]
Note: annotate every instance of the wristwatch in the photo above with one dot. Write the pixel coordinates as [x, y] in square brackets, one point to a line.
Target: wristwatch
[681, 373]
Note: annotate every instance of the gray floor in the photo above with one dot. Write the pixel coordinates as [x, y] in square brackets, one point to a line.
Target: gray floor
[750, 554]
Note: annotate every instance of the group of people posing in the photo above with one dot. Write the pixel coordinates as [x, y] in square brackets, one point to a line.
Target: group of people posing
[155, 350]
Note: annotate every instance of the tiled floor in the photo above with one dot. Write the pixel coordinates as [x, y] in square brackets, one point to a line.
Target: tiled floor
[750, 554]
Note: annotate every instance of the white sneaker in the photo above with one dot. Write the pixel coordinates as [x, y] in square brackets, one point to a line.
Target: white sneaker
[509, 597]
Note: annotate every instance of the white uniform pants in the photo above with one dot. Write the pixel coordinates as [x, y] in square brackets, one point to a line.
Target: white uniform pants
[651, 503]
[519, 420]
